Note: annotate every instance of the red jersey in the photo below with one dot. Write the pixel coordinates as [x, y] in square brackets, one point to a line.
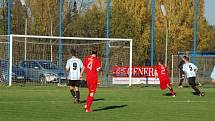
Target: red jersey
[162, 72]
[92, 66]
[163, 76]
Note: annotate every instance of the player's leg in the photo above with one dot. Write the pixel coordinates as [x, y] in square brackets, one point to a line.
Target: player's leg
[169, 85]
[89, 102]
[72, 91]
[71, 85]
[181, 80]
[92, 90]
[77, 92]
[192, 83]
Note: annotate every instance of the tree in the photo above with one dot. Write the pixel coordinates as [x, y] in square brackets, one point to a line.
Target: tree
[129, 19]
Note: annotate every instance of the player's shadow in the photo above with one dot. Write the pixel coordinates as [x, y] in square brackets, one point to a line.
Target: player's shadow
[110, 107]
[168, 94]
[100, 99]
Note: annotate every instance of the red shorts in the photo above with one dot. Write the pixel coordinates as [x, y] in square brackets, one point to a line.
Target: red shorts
[164, 83]
[92, 85]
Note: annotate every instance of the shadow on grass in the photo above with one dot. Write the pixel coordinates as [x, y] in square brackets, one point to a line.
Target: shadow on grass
[110, 107]
[100, 99]
[168, 94]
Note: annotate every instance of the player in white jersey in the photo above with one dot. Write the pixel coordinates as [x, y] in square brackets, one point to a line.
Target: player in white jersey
[190, 71]
[213, 75]
[74, 66]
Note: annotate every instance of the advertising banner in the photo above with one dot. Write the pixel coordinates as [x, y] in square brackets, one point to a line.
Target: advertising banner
[140, 75]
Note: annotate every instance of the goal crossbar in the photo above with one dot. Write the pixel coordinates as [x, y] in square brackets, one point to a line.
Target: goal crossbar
[73, 38]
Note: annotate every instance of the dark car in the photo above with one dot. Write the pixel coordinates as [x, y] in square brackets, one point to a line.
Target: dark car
[42, 71]
[17, 73]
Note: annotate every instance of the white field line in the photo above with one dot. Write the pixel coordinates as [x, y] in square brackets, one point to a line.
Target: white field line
[33, 101]
[189, 101]
[66, 101]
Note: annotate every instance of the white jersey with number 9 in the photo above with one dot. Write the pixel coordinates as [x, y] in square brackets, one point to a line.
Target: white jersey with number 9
[74, 66]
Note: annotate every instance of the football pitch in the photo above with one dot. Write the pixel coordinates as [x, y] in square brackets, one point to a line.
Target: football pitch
[50, 103]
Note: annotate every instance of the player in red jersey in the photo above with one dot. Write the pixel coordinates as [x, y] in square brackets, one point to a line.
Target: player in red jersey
[92, 65]
[162, 73]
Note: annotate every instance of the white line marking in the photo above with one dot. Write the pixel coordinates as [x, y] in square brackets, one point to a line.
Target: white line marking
[188, 101]
[123, 101]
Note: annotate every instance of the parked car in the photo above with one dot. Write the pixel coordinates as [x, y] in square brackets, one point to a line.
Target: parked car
[17, 73]
[42, 71]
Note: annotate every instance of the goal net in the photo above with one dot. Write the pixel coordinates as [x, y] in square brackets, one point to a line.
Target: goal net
[41, 60]
[3, 57]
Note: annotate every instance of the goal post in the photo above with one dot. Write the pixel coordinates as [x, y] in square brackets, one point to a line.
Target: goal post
[32, 47]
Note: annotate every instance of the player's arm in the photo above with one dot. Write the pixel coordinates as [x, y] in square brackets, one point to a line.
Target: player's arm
[98, 67]
[82, 71]
[80, 64]
[155, 73]
[195, 68]
[184, 68]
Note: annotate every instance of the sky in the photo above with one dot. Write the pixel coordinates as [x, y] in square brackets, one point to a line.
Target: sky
[210, 11]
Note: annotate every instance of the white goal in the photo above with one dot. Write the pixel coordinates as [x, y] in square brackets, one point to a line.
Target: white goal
[41, 59]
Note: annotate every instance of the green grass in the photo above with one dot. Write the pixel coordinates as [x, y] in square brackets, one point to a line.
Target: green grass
[35, 103]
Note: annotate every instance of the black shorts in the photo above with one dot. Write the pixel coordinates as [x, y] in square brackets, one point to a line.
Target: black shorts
[192, 81]
[74, 83]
